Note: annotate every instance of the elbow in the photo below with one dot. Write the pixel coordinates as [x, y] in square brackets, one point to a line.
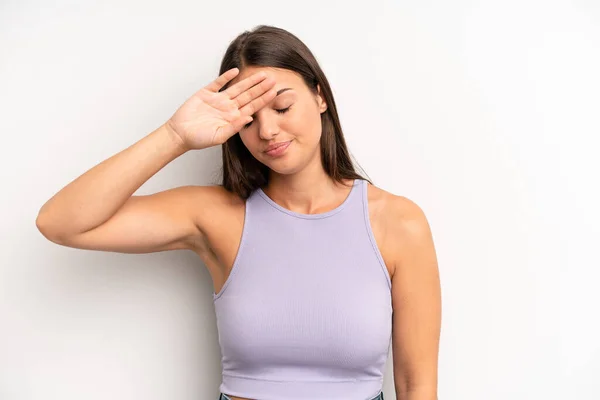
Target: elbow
[47, 229]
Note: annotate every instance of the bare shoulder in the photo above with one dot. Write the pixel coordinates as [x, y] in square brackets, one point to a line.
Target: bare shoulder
[214, 213]
[197, 202]
[210, 203]
[217, 193]
[399, 224]
[398, 210]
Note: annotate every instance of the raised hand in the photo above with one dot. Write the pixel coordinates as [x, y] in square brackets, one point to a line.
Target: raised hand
[210, 117]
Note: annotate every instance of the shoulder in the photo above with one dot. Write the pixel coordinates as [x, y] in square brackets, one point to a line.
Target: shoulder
[400, 211]
[403, 221]
[210, 196]
[206, 204]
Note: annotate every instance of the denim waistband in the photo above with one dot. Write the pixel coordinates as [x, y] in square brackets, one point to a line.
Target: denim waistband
[378, 397]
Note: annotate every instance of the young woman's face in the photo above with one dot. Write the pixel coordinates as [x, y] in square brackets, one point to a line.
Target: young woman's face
[292, 120]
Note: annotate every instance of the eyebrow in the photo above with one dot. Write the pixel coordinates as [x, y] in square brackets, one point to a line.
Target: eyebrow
[282, 90]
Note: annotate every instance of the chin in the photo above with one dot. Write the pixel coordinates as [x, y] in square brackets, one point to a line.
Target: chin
[284, 171]
[283, 167]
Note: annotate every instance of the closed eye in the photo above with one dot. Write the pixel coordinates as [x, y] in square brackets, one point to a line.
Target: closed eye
[281, 111]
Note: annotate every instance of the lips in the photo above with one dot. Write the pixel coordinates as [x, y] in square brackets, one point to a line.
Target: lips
[278, 149]
[276, 145]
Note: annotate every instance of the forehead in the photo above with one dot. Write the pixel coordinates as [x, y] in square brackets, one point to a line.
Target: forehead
[282, 76]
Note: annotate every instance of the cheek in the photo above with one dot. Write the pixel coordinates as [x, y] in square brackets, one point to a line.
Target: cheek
[313, 127]
[304, 126]
[249, 140]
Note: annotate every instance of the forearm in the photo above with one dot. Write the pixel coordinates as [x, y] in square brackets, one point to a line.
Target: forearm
[95, 196]
[418, 394]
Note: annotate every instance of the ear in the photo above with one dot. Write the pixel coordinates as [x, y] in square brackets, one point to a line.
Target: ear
[321, 100]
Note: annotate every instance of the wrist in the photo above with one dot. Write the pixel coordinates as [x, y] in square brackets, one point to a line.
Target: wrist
[178, 144]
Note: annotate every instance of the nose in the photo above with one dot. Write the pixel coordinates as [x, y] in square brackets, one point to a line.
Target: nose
[268, 127]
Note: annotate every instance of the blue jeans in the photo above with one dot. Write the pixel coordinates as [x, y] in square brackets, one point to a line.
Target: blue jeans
[378, 397]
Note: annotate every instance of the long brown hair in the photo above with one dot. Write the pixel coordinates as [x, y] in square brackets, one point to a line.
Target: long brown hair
[269, 46]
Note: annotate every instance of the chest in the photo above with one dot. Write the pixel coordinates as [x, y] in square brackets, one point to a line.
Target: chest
[308, 310]
[304, 285]
[219, 248]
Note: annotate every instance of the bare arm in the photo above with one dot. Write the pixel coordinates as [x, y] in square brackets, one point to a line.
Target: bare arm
[97, 210]
[416, 298]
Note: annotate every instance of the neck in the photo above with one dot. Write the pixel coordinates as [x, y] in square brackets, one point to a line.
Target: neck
[309, 191]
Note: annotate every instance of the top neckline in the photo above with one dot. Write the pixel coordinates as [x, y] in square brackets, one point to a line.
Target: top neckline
[310, 216]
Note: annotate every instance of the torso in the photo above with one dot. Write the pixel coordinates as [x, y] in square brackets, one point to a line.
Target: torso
[222, 234]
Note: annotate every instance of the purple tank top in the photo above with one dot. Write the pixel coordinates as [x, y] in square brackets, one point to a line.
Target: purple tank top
[306, 311]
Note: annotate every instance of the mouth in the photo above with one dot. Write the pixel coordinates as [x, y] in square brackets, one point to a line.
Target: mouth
[277, 149]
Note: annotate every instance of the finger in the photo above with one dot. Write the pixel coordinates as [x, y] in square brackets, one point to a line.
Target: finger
[222, 80]
[254, 92]
[240, 87]
[258, 103]
[235, 126]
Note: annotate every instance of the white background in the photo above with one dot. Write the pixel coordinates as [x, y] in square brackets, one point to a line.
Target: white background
[485, 113]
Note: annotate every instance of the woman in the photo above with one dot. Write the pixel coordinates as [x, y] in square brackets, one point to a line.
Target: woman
[316, 271]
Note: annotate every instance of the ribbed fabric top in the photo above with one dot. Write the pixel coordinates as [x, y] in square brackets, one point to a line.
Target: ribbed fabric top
[306, 311]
